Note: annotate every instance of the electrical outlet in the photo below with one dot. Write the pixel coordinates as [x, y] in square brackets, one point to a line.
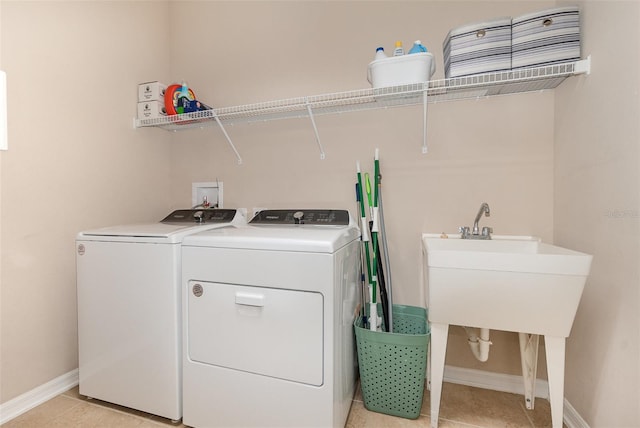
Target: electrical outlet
[212, 191]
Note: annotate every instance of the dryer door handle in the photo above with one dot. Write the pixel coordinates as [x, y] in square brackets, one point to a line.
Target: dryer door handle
[249, 299]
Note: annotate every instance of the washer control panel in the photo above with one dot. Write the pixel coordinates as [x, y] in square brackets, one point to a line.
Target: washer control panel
[314, 217]
[200, 216]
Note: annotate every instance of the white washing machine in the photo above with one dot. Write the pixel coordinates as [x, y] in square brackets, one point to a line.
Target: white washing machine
[268, 313]
[129, 310]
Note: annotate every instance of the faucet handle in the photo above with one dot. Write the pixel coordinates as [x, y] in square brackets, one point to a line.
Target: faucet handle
[487, 231]
[464, 231]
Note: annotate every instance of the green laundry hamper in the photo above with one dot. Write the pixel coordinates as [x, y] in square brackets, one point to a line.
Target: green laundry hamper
[393, 365]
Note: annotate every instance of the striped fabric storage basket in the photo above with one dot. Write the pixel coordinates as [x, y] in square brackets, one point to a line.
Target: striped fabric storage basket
[482, 47]
[547, 37]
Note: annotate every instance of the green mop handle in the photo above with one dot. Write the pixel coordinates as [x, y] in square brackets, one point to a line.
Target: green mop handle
[364, 232]
[368, 184]
[376, 179]
[373, 307]
[374, 236]
[364, 236]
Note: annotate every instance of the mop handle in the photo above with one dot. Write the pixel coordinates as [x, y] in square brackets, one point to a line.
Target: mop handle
[376, 179]
[364, 229]
[364, 235]
[387, 263]
[373, 312]
[364, 232]
[374, 239]
[368, 184]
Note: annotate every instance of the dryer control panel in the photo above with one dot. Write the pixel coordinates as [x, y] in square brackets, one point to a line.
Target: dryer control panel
[293, 216]
[200, 216]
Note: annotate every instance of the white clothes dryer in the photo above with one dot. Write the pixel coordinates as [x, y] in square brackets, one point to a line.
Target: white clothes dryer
[129, 310]
[268, 313]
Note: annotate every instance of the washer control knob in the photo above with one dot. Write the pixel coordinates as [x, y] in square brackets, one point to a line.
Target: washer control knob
[198, 216]
[197, 290]
[298, 217]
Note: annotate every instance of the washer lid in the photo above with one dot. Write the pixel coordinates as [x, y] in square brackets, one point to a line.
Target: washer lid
[171, 230]
[312, 239]
[299, 237]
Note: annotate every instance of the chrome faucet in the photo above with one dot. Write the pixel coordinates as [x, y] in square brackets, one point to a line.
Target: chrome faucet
[465, 233]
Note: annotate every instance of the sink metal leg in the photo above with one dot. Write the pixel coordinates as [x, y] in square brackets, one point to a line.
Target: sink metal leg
[529, 359]
[555, 347]
[439, 336]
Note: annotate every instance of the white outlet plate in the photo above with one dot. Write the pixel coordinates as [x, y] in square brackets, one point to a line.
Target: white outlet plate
[212, 190]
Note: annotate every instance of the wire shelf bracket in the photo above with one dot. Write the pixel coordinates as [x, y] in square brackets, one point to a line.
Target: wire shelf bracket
[224, 131]
[315, 129]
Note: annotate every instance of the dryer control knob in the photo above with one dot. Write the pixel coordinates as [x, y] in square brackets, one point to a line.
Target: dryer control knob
[298, 217]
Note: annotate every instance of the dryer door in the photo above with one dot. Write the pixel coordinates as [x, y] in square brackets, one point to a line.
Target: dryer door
[268, 331]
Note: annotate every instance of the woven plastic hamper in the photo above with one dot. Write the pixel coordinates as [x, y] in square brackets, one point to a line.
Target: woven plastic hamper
[393, 365]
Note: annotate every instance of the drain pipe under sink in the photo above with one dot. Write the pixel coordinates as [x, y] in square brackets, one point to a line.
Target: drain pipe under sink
[479, 344]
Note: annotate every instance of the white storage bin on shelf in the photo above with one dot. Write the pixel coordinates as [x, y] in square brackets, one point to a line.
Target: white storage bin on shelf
[151, 91]
[546, 37]
[151, 109]
[482, 47]
[401, 70]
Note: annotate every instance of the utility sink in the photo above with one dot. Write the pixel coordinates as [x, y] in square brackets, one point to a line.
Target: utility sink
[513, 283]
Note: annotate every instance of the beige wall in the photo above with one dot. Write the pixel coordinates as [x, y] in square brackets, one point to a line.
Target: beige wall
[597, 210]
[498, 150]
[74, 162]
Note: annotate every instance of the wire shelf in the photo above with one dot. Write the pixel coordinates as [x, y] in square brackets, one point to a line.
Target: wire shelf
[434, 91]
[459, 88]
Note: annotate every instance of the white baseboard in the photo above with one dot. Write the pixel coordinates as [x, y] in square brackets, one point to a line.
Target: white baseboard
[572, 418]
[477, 378]
[37, 396]
[494, 381]
[509, 383]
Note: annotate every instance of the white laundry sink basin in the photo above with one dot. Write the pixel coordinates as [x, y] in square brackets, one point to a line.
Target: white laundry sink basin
[513, 283]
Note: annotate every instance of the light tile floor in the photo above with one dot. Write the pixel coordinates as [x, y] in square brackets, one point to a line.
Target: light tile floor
[462, 406]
